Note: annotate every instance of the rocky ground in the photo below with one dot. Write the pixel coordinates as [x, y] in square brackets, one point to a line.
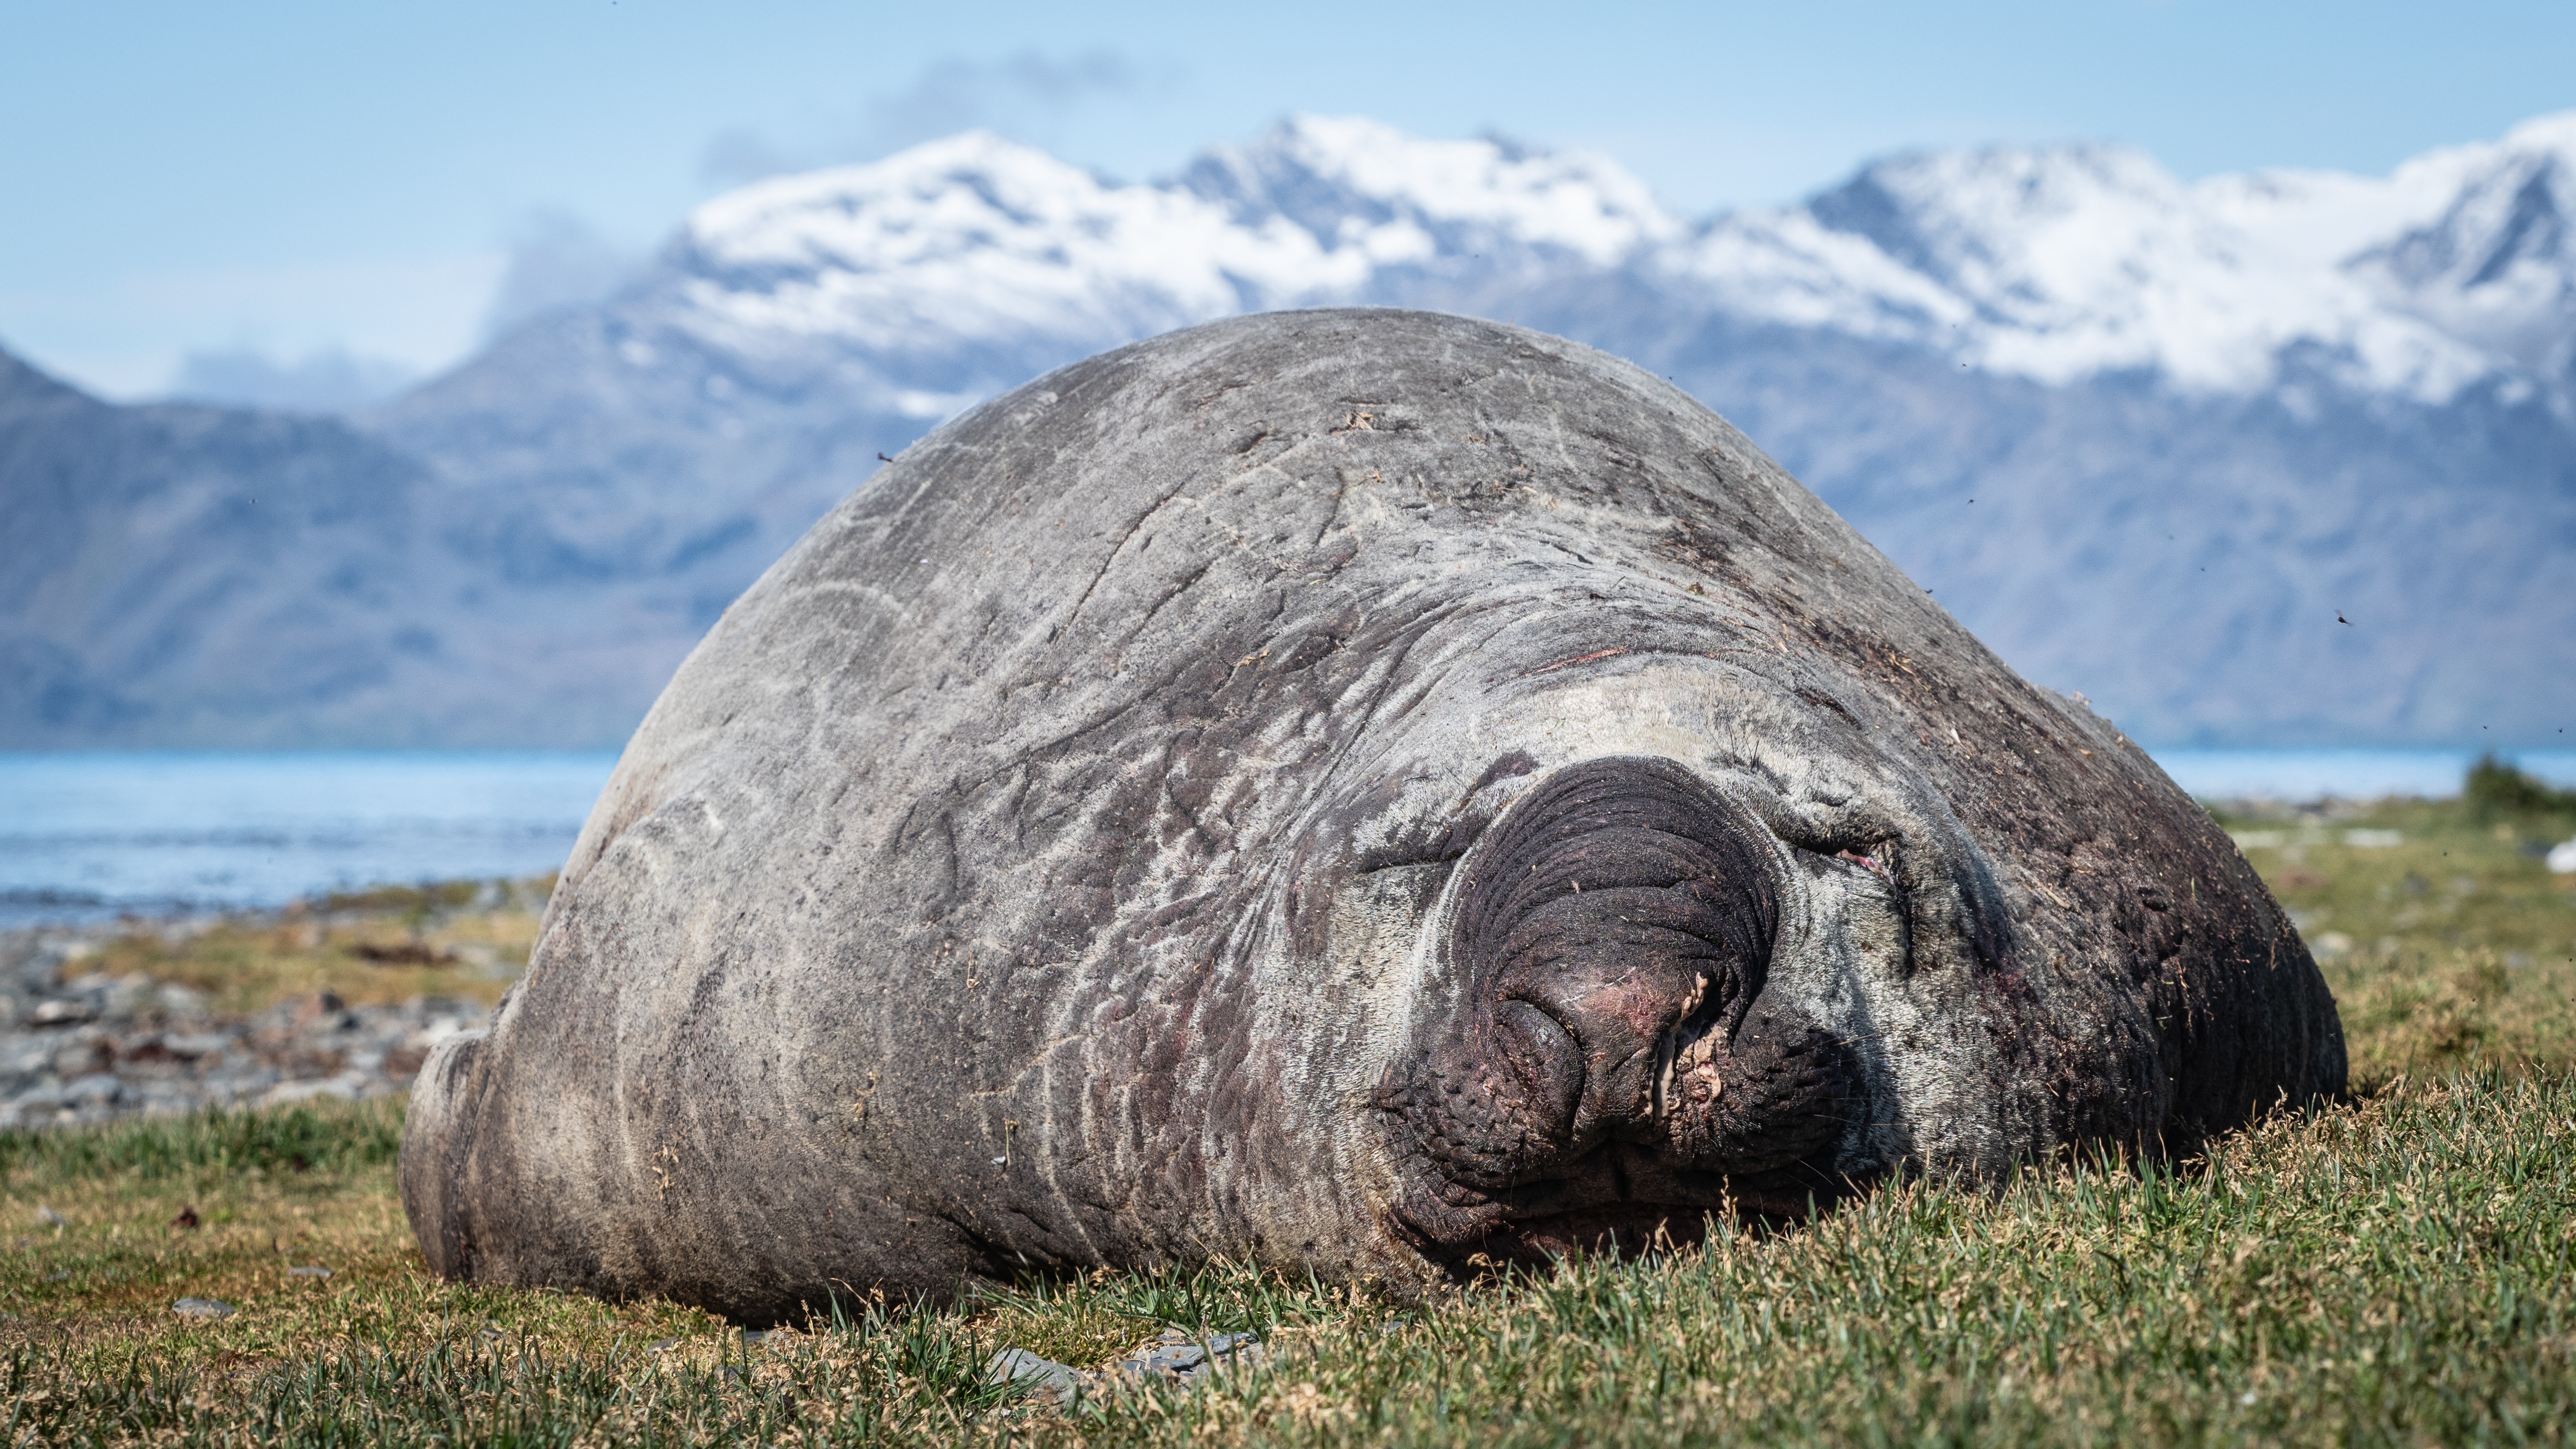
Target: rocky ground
[85, 1045]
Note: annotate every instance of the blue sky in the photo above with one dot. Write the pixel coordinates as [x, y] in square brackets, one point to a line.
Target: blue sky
[279, 180]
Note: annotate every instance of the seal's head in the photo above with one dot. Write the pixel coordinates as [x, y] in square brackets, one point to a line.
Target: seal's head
[1691, 933]
[1619, 1061]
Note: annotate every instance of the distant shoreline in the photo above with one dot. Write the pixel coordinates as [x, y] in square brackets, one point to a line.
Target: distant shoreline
[338, 997]
[94, 839]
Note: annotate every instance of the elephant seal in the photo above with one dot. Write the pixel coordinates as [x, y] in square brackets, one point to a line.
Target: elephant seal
[1346, 789]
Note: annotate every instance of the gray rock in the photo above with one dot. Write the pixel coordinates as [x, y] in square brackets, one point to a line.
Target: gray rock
[43, 1097]
[203, 1309]
[308, 1270]
[76, 1052]
[63, 1011]
[287, 1093]
[1358, 791]
[23, 1052]
[1183, 1358]
[1038, 1377]
[166, 1098]
[96, 1090]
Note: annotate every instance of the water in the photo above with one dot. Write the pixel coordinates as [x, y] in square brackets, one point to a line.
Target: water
[88, 835]
[2351, 774]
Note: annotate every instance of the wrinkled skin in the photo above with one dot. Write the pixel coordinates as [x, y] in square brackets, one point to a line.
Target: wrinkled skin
[1354, 790]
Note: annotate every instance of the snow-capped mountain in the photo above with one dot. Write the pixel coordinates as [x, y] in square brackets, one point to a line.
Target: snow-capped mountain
[2063, 265]
[2055, 265]
[2196, 420]
[975, 238]
[2488, 247]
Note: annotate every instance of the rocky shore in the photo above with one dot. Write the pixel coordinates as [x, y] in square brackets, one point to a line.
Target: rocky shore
[85, 1046]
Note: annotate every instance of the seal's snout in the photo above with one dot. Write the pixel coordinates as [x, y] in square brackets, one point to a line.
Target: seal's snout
[1617, 1051]
[1628, 904]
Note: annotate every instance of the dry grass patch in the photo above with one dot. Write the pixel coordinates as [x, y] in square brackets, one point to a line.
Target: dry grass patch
[466, 941]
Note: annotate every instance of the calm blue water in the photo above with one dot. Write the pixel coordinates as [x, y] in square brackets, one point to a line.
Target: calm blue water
[85, 835]
[90, 835]
[2352, 774]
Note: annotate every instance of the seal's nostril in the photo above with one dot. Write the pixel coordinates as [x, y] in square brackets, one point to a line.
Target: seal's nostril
[1543, 1054]
[1690, 1046]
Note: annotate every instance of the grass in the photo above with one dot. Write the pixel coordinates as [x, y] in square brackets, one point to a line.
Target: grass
[2393, 1271]
[2445, 938]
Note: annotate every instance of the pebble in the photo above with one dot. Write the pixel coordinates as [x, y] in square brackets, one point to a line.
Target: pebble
[1038, 1377]
[203, 1308]
[1175, 1358]
[1185, 1358]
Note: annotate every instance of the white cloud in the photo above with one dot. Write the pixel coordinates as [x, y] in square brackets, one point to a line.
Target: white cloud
[327, 381]
[557, 260]
[131, 338]
[1026, 95]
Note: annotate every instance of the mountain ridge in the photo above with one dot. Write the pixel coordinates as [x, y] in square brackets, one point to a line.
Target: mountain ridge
[2197, 420]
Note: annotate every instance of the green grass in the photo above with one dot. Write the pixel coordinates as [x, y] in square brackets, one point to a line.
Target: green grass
[2394, 1271]
[218, 1147]
[2454, 945]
